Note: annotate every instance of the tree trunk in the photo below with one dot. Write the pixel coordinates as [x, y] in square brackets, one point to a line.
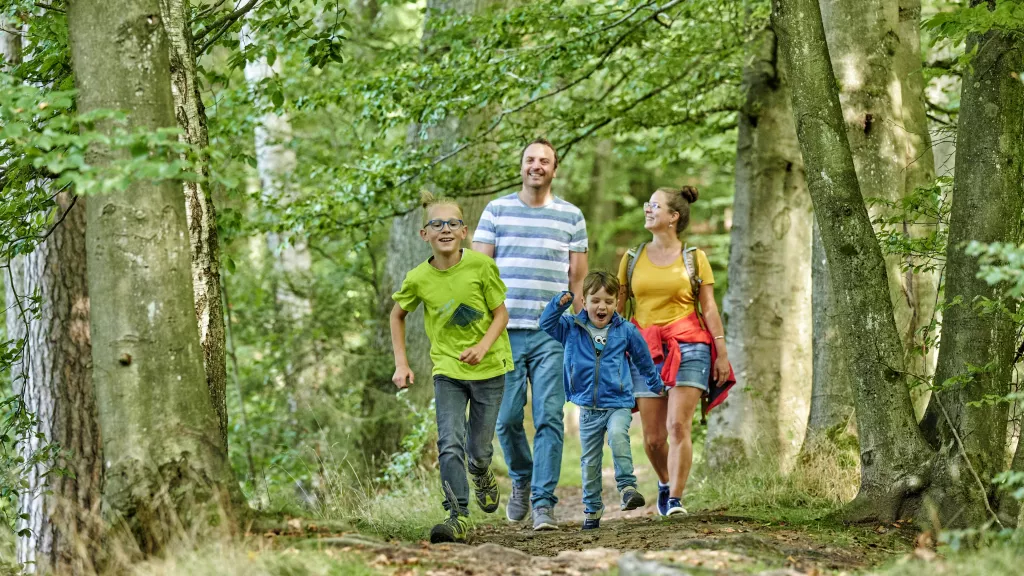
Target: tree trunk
[199, 209]
[988, 197]
[832, 406]
[880, 82]
[54, 378]
[767, 306]
[164, 461]
[919, 171]
[893, 452]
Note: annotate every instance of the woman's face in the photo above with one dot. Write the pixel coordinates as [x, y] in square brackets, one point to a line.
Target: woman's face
[657, 214]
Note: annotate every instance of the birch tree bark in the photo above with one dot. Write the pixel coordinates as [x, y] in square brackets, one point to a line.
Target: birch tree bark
[767, 306]
[54, 379]
[161, 443]
[199, 209]
[988, 199]
[894, 456]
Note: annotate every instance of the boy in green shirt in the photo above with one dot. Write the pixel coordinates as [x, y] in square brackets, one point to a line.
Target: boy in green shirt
[465, 316]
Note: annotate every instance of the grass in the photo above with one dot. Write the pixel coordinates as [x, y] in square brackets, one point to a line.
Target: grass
[987, 561]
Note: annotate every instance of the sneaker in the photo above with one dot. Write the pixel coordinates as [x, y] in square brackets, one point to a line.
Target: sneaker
[675, 507]
[544, 518]
[487, 495]
[518, 504]
[631, 499]
[592, 520]
[662, 500]
[453, 529]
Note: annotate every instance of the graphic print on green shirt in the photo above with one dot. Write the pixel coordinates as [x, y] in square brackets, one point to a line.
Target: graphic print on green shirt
[457, 305]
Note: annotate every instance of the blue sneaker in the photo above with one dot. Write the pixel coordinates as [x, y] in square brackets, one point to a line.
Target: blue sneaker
[662, 500]
[675, 507]
[592, 520]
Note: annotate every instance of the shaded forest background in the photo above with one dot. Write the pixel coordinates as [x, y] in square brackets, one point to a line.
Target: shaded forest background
[302, 133]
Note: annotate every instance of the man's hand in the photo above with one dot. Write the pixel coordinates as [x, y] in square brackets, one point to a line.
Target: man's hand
[402, 373]
[566, 298]
[473, 355]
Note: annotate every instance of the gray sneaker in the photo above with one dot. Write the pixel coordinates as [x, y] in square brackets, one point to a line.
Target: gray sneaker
[518, 503]
[544, 518]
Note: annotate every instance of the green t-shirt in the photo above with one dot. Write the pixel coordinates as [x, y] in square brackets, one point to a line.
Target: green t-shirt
[457, 305]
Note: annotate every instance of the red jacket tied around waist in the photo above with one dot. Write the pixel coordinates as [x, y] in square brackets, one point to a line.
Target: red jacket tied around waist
[663, 342]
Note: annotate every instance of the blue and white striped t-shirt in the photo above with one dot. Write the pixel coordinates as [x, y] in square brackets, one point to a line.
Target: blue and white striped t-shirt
[531, 248]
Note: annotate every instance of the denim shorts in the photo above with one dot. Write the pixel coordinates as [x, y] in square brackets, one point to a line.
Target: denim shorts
[694, 367]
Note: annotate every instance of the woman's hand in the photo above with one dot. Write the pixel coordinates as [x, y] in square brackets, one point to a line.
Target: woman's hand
[721, 369]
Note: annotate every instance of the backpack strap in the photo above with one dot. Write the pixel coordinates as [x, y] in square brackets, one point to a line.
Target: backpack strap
[632, 254]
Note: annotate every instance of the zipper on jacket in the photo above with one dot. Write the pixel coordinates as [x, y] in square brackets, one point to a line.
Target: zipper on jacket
[597, 362]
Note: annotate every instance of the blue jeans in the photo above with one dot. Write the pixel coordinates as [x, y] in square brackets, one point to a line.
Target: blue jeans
[593, 425]
[457, 437]
[538, 359]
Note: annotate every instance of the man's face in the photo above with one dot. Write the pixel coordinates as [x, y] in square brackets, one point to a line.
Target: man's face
[538, 166]
[599, 306]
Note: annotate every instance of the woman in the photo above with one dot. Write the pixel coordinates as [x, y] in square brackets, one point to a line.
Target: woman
[665, 312]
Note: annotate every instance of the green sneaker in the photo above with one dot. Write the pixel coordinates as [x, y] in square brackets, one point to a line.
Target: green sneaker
[487, 496]
[454, 529]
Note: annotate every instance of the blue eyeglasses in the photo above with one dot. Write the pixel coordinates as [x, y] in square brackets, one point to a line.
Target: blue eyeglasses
[438, 225]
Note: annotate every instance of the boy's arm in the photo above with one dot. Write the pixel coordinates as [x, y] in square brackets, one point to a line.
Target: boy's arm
[552, 319]
[474, 354]
[641, 358]
[402, 371]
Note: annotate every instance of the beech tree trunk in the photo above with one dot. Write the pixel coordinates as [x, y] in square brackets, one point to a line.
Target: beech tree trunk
[876, 55]
[767, 306]
[988, 199]
[919, 171]
[832, 407]
[164, 460]
[894, 455]
[199, 209]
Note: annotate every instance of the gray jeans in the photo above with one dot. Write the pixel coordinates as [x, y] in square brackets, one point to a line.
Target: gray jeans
[457, 437]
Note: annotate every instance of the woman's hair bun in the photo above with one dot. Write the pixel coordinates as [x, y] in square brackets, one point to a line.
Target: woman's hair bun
[689, 193]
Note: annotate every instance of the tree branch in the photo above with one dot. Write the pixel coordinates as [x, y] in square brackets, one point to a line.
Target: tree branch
[49, 7]
[204, 13]
[222, 25]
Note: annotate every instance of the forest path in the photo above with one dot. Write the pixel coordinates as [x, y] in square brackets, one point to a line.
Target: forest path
[639, 542]
[698, 544]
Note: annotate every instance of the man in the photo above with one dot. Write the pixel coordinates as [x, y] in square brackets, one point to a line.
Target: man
[539, 242]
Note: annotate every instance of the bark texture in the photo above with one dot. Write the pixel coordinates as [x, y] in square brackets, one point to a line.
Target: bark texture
[767, 308]
[919, 171]
[875, 52]
[893, 453]
[54, 378]
[199, 209]
[988, 198]
[164, 462]
[832, 407]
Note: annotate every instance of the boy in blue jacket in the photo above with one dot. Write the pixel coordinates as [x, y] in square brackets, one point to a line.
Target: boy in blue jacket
[597, 379]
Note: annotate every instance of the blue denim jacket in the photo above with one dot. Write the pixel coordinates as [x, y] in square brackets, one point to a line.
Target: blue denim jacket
[599, 379]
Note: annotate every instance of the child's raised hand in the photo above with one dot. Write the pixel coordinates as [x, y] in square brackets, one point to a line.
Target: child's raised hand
[566, 298]
[402, 373]
[473, 355]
